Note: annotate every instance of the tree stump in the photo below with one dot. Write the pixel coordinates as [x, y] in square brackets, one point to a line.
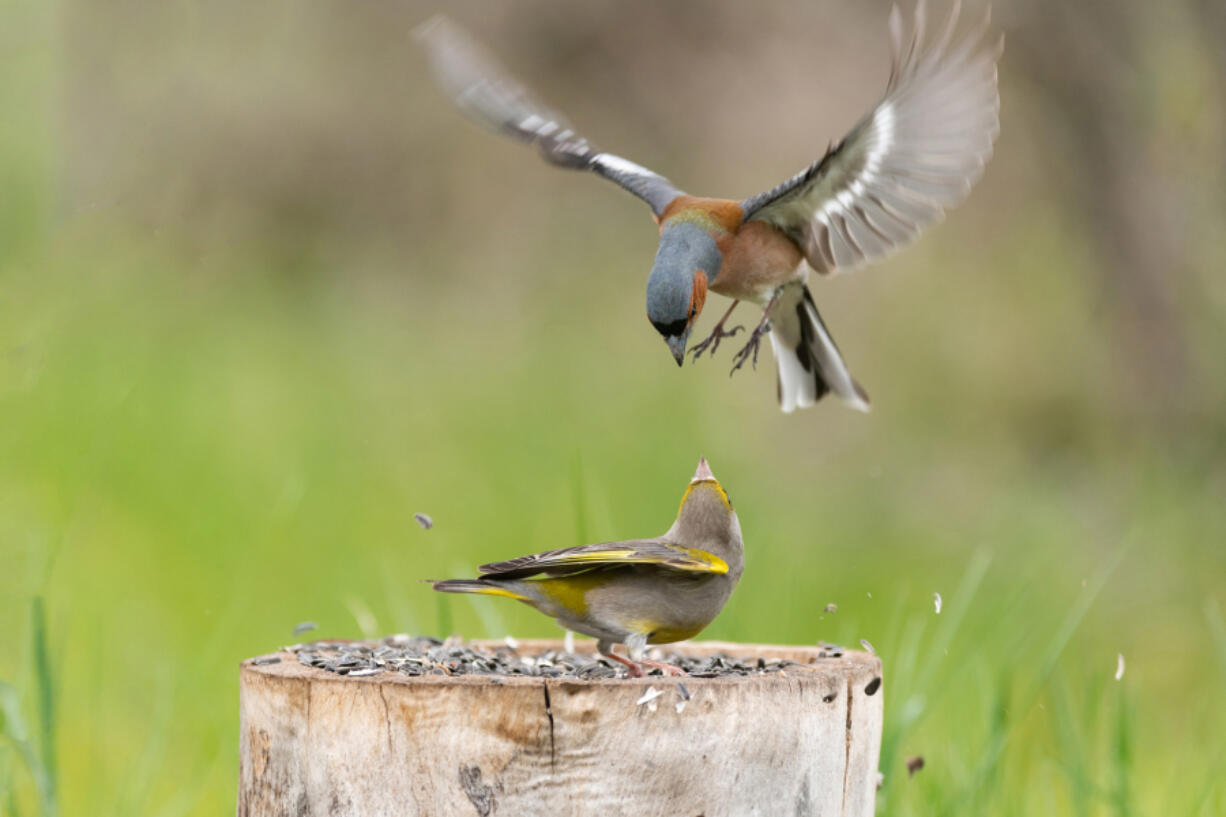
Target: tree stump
[803, 741]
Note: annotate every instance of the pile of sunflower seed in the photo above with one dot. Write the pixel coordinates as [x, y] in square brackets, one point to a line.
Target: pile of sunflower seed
[421, 655]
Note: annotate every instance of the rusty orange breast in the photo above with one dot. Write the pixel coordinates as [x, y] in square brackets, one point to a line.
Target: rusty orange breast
[757, 259]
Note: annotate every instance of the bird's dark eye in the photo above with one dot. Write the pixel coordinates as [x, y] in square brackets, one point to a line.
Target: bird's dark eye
[671, 329]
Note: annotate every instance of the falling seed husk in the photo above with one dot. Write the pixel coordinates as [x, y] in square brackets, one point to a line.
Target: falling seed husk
[832, 608]
[650, 695]
[867, 646]
[304, 627]
[424, 520]
[936, 602]
[914, 764]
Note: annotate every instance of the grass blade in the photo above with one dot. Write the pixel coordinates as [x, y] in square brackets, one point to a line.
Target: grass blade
[46, 702]
[1217, 630]
[13, 728]
[579, 499]
[1047, 665]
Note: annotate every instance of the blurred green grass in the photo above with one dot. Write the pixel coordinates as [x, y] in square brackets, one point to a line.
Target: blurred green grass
[209, 433]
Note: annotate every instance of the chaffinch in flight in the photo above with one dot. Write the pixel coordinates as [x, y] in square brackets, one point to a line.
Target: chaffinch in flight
[637, 592]
[916, 154]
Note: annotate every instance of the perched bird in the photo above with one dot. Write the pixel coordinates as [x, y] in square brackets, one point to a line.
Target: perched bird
[916, 154]
[637, 592]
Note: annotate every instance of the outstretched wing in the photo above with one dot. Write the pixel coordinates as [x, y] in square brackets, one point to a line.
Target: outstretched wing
[609, 554]
[918, 153]
[487, 93]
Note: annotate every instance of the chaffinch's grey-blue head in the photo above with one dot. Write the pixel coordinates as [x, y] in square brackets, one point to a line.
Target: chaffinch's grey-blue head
[686, 263]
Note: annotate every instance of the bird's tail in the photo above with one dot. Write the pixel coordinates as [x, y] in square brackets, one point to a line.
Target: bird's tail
[809, 362]
[485, 588]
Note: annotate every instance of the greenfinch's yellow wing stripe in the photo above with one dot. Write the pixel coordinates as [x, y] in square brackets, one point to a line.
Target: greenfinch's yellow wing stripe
[612, 554]
[701, 561]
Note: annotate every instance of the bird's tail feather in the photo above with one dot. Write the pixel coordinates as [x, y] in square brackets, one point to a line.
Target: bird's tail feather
[809, 361]
[479, 586]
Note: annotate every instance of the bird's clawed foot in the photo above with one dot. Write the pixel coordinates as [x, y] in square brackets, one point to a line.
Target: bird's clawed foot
[717, 334]
[713, 340]
[632, 667]
[635, 668]
[666, 668]
[751, 348]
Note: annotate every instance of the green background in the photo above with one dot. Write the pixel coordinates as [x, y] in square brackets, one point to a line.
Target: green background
[264, 296]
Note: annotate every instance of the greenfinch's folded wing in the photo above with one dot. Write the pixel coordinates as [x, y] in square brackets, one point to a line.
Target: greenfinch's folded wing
[914, 156]
[488, 94]
[609, 554]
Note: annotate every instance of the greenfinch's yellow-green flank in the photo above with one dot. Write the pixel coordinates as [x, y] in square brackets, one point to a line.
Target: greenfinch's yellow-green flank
[636, 592]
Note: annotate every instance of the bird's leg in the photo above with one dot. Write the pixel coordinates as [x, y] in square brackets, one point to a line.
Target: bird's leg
[717, 334]
[755, 338]
[635, 670]
[605, 648]
[666, 668]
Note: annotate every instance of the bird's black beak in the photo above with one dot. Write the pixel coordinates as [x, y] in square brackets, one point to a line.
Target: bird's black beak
[676, 345]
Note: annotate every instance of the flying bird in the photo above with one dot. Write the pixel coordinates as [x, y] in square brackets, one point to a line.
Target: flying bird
[916, 154]
[636, 592]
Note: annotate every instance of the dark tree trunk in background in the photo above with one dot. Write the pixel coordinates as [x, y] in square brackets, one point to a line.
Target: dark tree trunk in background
[1085, 59]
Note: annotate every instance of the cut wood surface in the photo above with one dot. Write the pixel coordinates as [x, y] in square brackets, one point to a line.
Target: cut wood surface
[804, 741]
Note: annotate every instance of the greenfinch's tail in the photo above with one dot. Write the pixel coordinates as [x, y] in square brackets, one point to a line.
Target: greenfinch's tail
[485, 588]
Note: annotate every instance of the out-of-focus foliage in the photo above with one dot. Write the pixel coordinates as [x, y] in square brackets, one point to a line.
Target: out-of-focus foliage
[264, 296]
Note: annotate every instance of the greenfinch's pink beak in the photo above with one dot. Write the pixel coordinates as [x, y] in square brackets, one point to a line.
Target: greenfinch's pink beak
[703, 472]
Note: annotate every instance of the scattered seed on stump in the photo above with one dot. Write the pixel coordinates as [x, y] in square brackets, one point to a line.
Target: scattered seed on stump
[420, 655]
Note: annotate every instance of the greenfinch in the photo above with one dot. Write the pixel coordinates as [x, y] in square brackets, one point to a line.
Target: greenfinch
[636, 592]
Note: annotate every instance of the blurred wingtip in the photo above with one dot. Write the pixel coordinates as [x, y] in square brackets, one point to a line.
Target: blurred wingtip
[861, 402]
[430, 26]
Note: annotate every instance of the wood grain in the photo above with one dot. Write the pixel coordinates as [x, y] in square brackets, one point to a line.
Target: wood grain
[805, 742]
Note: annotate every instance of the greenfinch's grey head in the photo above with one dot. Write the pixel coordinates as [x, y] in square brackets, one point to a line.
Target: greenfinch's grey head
[706, 519]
